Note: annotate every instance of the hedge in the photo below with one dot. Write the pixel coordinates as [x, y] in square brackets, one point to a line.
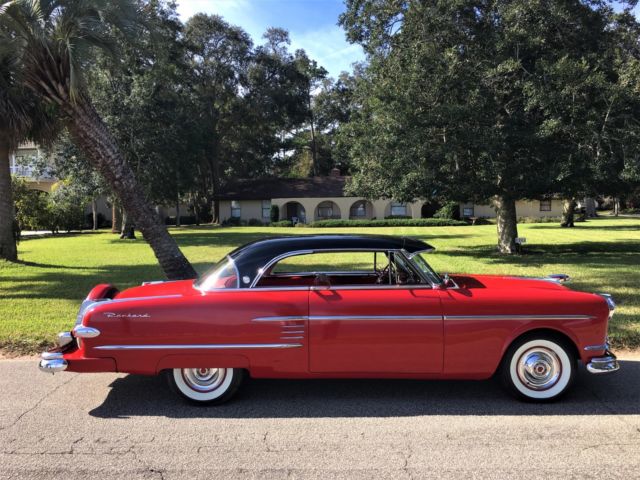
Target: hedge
[282, 223]
[396, 222]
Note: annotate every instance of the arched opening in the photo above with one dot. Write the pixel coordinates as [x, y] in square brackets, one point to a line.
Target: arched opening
[327, 210]
[293, 211]
[429, 209]
[361, 210]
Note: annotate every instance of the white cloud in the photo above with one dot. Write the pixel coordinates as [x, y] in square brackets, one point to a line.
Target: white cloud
[226, 8]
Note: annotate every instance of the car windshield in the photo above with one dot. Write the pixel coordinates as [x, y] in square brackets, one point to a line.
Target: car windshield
[425, 268]
[222, 275]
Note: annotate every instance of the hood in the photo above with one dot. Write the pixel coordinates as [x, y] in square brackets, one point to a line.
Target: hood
[158, 289]
[505, 282]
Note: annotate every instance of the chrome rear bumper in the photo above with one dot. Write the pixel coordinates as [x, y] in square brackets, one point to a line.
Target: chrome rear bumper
[605, 364]
[52, 362]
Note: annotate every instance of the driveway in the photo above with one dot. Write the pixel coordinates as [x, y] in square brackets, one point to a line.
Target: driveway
[117, 426]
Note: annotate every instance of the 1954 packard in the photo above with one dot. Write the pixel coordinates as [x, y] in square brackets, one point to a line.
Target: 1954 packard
[340, 306]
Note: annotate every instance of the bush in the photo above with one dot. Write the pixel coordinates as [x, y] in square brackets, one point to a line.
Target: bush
[480, 221]
[540, 219]
[254, 222]
[274, 216]
[300, 225]
[282, 223]
[393, 222]
[449, 210]
[231, 222]
[393, 217]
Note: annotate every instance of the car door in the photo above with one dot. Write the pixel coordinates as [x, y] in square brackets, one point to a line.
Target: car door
[375, 329]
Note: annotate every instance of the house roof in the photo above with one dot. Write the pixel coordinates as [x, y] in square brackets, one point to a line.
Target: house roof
[267, 188]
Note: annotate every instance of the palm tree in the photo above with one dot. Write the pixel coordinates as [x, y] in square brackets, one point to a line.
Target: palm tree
[22, 118]
[55, 40]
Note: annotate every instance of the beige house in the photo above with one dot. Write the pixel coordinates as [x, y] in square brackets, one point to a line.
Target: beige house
[321, 198]
[20, 165]
[306, 200]
[551, 207]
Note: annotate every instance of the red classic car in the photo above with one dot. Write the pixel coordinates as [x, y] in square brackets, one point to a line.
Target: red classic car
[340, 306]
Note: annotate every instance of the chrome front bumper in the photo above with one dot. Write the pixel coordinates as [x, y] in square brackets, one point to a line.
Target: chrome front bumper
[52, 362]
[605, 364]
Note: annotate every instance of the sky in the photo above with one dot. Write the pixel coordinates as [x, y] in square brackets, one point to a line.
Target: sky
[312, 25]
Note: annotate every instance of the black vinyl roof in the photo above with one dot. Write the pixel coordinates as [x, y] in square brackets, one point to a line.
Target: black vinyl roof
[255, 255]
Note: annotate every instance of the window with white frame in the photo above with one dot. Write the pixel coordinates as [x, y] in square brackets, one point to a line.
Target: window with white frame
[235, 209]
[398, 209]
[545, 205]
[266, 209]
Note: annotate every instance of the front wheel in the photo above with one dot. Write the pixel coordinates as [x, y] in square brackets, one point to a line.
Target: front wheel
[205, 386]
[538, 369]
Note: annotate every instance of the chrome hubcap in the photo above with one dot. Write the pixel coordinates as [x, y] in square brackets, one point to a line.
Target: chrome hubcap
[539, 368]
[204, 379]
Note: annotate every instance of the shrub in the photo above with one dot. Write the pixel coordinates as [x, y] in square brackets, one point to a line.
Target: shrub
[480, 221]
[393, 222]
[540, 219]
[449, 210]
[282, 223]
[254, 222]
[231, 222]
[274, 215]
[393, 217]
[300, 225]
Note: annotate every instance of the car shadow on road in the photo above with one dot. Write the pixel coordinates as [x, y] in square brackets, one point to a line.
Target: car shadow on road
[615, 394]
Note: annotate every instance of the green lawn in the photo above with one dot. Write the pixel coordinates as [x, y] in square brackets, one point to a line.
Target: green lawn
[40, 295]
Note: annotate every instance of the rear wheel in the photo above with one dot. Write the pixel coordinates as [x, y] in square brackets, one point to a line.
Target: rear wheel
[205, 386]
[538, 368]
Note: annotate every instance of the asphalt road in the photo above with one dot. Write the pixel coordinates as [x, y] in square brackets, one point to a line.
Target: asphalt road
[117, 426]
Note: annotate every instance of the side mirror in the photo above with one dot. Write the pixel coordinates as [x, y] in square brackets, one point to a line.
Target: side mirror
[447, 282]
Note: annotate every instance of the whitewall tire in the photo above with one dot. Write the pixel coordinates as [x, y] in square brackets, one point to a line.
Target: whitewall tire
[539, 369]
[205, 386]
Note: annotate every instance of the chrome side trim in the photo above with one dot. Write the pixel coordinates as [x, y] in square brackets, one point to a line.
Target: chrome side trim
[80, 331]
[374, 317]
[213, 346]
[281, 319]
[518, 317]
[291, 338]
[291, 332]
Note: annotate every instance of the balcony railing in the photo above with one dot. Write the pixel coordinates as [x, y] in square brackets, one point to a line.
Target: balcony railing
[30, 172]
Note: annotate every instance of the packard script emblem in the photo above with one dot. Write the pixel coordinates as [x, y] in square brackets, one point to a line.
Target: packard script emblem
[126, 315]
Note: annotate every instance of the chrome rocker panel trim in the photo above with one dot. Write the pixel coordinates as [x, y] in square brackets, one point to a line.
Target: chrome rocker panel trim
[220, 346]
[606, 364]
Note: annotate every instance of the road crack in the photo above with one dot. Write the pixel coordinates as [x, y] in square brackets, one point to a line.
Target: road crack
[38, 403]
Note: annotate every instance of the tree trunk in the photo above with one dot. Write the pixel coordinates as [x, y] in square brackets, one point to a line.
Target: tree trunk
[177, 212]
[590, 207]
[128, 228]
[314, 149]
[115, 217]
[94, 213]
[91, 135]
[507, 223]
[568, 213]
[8, 249]
[616, 206]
